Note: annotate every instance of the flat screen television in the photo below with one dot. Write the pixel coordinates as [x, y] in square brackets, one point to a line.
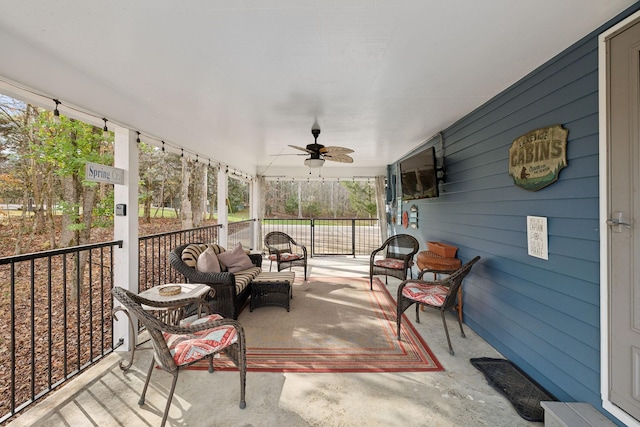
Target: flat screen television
[419, 175]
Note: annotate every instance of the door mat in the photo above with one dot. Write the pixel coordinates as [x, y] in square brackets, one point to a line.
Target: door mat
[523, 392]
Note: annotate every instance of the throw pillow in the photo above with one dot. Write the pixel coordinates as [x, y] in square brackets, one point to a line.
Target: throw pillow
[235, 260]
[191, 253]
[208, 262]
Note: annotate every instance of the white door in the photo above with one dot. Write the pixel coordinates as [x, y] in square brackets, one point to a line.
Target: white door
[623, 235]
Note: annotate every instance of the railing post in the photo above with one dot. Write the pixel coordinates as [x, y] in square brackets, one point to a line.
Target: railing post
[313, 239]
[353, 237]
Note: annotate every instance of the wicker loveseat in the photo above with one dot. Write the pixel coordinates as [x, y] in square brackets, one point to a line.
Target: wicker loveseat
[232, 289]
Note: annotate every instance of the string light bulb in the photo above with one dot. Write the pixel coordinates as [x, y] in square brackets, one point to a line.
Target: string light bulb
[163, 146]
[105, 129]
[138, 138]
[56, 112]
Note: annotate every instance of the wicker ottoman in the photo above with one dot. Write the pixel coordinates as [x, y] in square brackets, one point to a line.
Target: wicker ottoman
[272, 289]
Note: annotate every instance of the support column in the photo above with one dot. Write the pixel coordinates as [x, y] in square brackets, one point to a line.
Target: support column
[257, 213]
[223, 217]
[125, 260]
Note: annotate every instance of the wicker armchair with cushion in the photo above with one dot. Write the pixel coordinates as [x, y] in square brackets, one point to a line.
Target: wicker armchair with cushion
[229, 272]
[397, 252]
[439, 294]
[178, 346]
[285, 251]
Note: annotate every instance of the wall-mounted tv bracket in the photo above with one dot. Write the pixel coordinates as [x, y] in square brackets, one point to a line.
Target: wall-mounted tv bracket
[441, 173]
[440, 170]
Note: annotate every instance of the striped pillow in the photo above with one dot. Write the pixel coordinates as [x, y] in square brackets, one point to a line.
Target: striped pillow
[191, 253]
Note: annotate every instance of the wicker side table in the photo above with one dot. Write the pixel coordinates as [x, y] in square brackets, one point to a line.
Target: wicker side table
[431, 262]
[272, 289]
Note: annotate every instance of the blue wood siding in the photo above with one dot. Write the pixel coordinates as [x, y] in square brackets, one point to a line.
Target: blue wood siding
[542, 315]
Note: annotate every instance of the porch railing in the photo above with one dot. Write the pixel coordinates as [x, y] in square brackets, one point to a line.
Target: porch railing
[154, 253]
[241, 232]
[55, 320]
[330, 236]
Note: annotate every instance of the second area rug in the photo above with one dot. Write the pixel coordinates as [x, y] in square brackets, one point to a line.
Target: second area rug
[335, 325]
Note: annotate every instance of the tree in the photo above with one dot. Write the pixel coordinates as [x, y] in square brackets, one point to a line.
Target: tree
[362, 197]
[67, 146]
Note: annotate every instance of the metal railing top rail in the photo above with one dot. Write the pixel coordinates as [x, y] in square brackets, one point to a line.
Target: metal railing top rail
[169, 233]
[56, 252]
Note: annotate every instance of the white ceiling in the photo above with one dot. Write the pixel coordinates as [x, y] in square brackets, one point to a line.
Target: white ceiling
[237, 81]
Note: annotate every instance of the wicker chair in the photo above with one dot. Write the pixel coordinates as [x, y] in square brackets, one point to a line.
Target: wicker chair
[226, 301]
[177, 346]
[398, 252]
[285, 251]
[438, 294]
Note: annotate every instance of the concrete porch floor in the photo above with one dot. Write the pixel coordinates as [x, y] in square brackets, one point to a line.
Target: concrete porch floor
[458, 396]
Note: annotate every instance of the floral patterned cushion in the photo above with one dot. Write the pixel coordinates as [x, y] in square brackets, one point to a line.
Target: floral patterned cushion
[427, 294]
[189, 348]
[394, 263]
[285, 256]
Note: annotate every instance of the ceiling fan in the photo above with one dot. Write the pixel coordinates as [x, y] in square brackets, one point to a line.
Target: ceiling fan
[319, 153]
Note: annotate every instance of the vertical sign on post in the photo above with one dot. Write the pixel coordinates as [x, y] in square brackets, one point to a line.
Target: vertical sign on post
[537, 237]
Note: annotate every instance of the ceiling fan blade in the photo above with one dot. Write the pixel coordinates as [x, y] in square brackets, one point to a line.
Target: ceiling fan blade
[288, 154]
[342, 158]
[301, 149]
[336, 150]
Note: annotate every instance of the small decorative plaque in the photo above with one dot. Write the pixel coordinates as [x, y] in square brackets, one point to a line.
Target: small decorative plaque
[537, 237]
[536, 158]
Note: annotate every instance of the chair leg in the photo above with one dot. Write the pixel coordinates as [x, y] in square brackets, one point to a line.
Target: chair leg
[460, 323]
[170, 398]
[401, 306]
[210, 363]
[398, 319]
[270, 265]
[446, 331]
[146, 383]
[417, 313]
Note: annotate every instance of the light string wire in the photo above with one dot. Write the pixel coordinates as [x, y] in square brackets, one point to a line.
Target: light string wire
[140, 135]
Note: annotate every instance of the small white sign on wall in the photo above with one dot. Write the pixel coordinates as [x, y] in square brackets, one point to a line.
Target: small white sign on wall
[537, 237]
[103, 173]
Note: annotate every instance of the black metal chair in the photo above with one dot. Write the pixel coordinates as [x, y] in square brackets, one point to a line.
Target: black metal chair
[398, 252]
[178, 346]
[439, 294]
[285, 251]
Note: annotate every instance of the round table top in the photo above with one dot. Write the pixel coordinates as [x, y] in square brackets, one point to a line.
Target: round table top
[188, 290]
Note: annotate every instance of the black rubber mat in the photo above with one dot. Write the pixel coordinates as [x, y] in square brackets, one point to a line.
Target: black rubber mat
[524, 393]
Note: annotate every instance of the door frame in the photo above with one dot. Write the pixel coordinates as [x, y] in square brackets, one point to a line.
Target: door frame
[604, 228]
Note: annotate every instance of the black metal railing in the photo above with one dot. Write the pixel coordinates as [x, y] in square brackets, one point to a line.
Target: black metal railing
[241, 232]
[330, 236]
[55, 320]
[154, 253]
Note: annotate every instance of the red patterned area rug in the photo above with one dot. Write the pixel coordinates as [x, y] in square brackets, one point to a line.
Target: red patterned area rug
[335, 325]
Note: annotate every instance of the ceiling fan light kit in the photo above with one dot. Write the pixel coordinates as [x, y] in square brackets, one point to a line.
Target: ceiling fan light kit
[314, 163]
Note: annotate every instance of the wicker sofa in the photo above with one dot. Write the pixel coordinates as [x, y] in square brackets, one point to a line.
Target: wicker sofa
[232, 289]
